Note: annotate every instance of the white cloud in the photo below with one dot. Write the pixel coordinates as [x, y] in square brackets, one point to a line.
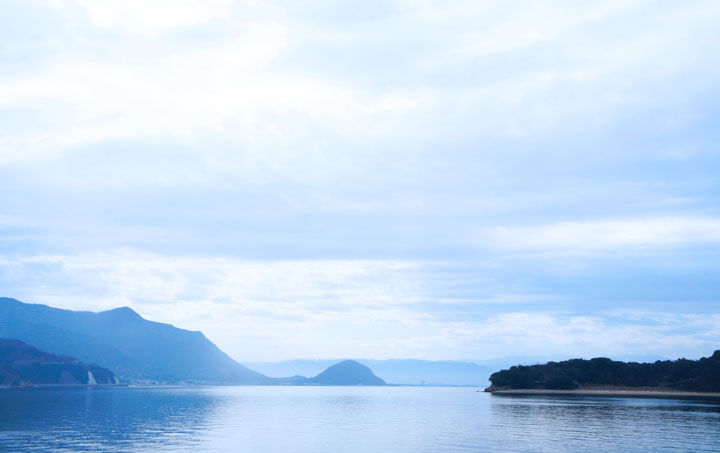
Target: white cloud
[245, 89]
[267, 310]
[539, 23]
[599, 335]
[417, 128]
[128, 275]
[625, 236]
[149, 17]
[227, 95]
[237, 303]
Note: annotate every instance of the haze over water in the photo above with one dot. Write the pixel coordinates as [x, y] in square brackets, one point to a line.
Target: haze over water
[354, 419]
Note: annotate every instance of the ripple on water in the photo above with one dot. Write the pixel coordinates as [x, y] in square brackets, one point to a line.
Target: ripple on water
[337, 419]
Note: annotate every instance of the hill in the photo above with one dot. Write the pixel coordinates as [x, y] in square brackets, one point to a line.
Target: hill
[396, 371]
[22, 365]
[137, 350]
[701, 375]
[347, 372]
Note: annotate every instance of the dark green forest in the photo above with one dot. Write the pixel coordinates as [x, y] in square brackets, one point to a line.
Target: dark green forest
[701, 375]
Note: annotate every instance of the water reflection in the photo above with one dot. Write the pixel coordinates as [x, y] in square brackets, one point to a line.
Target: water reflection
[556, 423]
[103, 419]
[346, 419]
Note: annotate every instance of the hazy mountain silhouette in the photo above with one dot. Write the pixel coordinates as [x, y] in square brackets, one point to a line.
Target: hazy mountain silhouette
[395, 371]
[347, 372]
[22, 364]
[134, 348]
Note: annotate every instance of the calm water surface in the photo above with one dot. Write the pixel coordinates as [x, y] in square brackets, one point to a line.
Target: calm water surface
[346, 419]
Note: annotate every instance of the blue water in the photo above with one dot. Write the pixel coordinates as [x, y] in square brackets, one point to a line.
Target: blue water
[346, 419]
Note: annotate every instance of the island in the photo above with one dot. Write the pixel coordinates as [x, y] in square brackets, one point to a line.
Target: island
[603, 376]
[347, 372]
[22, 365]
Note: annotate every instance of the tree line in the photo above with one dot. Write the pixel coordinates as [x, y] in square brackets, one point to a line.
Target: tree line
[701, 375]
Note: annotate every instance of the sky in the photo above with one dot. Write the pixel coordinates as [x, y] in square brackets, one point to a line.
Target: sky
[370, 179]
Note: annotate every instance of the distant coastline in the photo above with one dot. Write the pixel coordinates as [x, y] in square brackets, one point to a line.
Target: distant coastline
[602, 376]
[608, 392]
[59, 343]
[61, 386]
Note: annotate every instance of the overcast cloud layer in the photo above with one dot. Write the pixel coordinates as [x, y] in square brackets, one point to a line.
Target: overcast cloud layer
[423, 179]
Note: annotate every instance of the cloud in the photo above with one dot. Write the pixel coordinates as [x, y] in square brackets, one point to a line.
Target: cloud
[603, 335]
[444, 154]
[267, 82]
[606, 236]
[264, 310]
[148, 18]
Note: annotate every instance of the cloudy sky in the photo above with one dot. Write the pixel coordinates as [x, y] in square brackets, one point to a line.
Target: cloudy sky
[379, 179]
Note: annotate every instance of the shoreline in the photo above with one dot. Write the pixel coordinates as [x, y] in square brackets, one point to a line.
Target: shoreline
[186, 385]
[44, 386]
[609, 392]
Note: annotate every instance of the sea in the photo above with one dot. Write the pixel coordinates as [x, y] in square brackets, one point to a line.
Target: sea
[346, 419]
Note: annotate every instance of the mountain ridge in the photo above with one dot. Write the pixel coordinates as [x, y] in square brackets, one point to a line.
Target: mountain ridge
[24, 365]
[143, 351]
[394, 371]
[138, 350]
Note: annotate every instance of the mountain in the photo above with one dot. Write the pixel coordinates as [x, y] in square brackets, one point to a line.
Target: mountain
[22, 365]
[701, 375]
[136, 349]
[347, 372]
[396, 371]
[292, 367]
[429, 372]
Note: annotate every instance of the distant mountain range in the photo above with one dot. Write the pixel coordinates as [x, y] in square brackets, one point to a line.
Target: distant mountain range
[395, 371]
[23, 365]
[142, 351]
[346, 372]
[136, 349]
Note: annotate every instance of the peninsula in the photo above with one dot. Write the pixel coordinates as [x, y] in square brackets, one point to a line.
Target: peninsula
[22, 365]
[602, 376]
